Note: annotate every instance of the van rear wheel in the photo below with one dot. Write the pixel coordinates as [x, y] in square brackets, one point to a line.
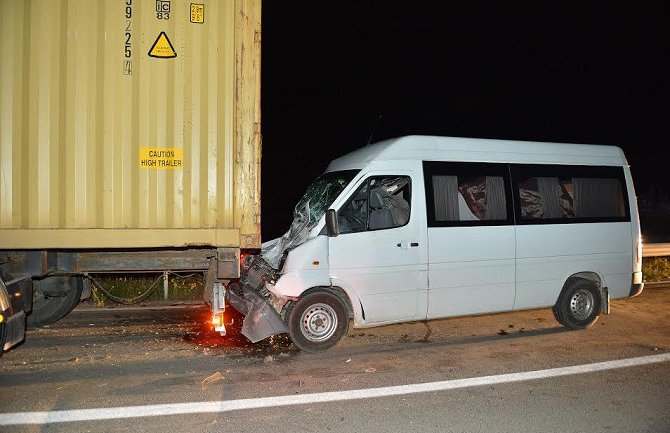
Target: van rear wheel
[317, 321]
[579, 305]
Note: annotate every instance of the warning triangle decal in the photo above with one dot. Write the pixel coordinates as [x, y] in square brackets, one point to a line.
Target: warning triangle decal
[162, 48]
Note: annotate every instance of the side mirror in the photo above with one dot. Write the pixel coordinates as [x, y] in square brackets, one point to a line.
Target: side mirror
[332, 226]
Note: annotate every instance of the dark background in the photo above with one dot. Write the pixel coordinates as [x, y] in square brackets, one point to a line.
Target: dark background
[543, 71]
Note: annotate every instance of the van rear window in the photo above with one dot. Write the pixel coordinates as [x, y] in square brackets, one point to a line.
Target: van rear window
[569, 193]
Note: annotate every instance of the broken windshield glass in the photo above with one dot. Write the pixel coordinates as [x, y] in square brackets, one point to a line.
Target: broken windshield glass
[309, 210]
[322, 192]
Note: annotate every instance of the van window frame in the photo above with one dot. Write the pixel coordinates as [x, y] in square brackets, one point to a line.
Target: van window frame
[366, 182]
[520, 172]
[437, 168]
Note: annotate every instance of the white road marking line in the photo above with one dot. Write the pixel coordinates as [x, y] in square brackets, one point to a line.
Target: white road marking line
[22, 418]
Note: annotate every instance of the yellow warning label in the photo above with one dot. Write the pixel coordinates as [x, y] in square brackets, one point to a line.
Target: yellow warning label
[162, 157]
[162, 48]
[197, 13]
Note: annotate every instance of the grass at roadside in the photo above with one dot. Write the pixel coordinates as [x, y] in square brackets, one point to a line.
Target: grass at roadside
[180, 287]
[656, 269]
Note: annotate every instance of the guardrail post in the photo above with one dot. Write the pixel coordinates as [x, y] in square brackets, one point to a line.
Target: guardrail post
[166, 283]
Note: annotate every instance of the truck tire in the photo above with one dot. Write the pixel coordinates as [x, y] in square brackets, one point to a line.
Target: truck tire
[317, 321]
[578, 306]
[53, 299]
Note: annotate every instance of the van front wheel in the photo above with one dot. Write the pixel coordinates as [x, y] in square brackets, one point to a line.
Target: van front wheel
[578, 307]
[317, 321]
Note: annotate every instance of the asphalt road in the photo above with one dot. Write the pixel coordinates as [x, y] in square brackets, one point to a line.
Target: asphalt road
[126, 359]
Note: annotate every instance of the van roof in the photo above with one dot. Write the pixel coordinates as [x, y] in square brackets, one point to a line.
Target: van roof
[432, 148]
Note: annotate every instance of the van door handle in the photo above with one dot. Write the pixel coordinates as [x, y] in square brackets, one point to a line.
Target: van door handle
[404, 244]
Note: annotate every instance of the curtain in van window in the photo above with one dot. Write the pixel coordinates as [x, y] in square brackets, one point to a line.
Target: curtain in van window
[597, 197]
[495, 198]
[529, 199]
[473, 191]
[566, 199]
[445, 196]
[550, 190]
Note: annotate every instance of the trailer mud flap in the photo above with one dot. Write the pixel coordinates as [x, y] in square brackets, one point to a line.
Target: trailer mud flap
[15, 330]
[260, 319]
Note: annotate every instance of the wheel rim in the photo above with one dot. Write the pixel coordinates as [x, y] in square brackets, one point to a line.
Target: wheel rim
[582, 304]
[318, 322]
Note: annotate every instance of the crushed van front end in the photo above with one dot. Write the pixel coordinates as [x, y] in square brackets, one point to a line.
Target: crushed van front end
[249, 296]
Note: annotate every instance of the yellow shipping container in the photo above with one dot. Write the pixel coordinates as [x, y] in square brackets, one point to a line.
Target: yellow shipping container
[129, 123]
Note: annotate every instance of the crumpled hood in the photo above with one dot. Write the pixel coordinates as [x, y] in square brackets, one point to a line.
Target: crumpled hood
[273, 251]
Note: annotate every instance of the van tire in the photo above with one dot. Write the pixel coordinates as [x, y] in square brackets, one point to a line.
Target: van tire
[317, 321]
[578, 306]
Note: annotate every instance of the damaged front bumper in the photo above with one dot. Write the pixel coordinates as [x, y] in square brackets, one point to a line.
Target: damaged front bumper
[250, 298]
[261, 320]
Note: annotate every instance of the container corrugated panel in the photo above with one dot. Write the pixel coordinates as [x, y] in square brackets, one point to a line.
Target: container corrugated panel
[129, 123]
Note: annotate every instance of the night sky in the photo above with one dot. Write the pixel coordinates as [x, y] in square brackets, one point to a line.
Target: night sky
[543, 71]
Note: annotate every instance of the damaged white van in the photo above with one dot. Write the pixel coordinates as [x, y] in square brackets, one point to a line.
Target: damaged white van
[421, 227]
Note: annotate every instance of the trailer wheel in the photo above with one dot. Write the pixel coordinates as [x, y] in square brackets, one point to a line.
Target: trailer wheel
[578, 306]
[53, 299]
[317, 321]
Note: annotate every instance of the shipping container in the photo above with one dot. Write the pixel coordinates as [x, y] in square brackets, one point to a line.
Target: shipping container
[129, 140]
[129, 123]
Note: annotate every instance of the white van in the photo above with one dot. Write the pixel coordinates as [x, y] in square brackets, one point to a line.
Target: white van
[421, 227]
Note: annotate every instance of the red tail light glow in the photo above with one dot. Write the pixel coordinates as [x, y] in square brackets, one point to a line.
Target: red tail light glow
[242, 257]
[637, 259]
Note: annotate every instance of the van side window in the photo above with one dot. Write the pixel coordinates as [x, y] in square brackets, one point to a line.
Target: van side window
[570, 193]
[468, 198]
[546, 197]
[379, 203]
[467, 194]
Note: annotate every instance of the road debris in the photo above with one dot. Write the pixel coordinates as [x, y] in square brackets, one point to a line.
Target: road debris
[370, 370]
[211, 379]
